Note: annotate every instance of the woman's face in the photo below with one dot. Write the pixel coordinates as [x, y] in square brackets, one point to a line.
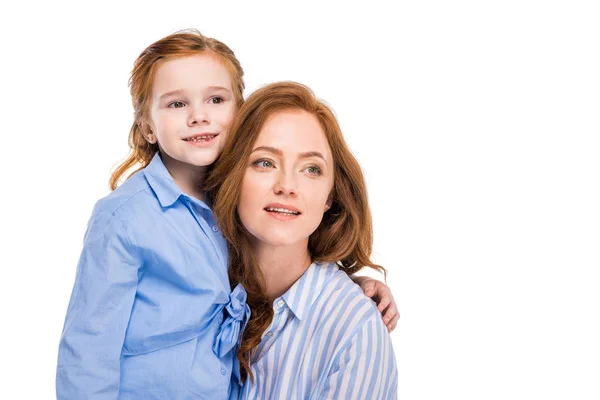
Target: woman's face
[192, 108]
[288, 180]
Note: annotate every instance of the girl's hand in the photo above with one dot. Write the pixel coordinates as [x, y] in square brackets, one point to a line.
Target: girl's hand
[382, 295]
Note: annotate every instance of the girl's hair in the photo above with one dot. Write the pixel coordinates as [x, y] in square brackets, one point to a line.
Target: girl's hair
[180, 44]
[345, 234]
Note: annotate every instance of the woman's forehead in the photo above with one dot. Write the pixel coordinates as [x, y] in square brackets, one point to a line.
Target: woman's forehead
[294, 132]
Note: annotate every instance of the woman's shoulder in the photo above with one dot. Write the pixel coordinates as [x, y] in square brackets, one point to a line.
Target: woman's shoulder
[346, 301]
[357, 319]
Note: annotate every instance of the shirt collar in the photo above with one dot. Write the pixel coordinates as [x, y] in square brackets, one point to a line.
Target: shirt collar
[301, 296]
[162, 182]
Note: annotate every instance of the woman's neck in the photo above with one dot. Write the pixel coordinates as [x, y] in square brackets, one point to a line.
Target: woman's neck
[282, 266]
[187, 177]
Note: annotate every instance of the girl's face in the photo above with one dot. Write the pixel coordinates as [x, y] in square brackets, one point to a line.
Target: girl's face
[288, 181]
[192, 109]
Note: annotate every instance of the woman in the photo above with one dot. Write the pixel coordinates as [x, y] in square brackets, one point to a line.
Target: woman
[291, 201]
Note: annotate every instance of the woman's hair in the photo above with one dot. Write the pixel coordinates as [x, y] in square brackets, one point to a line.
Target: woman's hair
[180, 44]
[345, 234]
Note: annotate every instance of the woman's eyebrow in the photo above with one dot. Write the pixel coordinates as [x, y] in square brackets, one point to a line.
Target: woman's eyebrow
[313, 154]
[270, 149]
[278, 152]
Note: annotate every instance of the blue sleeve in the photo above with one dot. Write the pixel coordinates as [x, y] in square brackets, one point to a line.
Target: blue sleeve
[98, 313]
[366, 369]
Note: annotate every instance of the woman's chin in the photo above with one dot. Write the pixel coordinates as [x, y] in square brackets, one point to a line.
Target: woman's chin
[282, 240]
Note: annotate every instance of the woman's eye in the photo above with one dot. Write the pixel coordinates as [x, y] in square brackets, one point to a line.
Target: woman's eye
[216, 100]
[313, 170]
[177, 104]
[263, 163]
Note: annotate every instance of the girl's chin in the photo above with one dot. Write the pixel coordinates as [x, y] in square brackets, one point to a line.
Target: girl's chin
[190, 160]
[203, 162]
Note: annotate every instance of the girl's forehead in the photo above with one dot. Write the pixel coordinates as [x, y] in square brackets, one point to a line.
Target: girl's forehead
[192, 73]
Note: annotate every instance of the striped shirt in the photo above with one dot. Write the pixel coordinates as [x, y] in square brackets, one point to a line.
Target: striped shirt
[326, 341]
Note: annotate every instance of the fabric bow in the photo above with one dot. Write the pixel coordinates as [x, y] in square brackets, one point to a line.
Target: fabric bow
[238, 314]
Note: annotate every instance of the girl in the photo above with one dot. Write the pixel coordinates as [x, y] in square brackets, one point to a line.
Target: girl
[291, 200]
[152, 314]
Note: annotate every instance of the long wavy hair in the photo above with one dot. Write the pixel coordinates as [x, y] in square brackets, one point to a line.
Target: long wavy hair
[345, 234]
[184, 43]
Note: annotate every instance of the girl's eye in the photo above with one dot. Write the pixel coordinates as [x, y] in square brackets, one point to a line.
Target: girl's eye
[313, 170]
[216, 100]
[263, 163]
[177, 104]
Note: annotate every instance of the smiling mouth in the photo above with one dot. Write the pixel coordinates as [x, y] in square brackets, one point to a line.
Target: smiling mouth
[202, 138]
[282, 211]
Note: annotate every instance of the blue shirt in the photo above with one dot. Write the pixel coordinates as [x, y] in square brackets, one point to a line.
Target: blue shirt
[151, 315]
[326, 341]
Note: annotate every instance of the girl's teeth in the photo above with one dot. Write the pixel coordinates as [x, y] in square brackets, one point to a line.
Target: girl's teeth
[201, 138]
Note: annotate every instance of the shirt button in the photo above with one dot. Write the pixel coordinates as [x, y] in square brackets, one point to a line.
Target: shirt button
[215, 228]
[280, 303]
[223, 371]
[269, 334]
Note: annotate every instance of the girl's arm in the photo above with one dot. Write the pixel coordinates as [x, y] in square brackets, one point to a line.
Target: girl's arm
[98, 314]
[382, 295]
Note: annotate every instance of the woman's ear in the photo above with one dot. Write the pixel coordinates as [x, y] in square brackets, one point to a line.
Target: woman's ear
[329, 202]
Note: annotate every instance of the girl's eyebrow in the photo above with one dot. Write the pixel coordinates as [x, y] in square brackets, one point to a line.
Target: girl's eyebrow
[171, 93]
[218, 88]
[182, 91]
[278, 152]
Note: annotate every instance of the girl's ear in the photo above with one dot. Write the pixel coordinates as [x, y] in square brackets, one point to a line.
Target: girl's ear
[147, 132]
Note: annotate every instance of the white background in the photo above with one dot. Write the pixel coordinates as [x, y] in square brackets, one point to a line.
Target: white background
[476, 123]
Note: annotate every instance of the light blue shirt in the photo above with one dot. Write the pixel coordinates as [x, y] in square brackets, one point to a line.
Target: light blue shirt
[151, 315]
[326, 341]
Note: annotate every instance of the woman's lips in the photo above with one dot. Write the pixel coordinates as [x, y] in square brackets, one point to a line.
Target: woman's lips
[282, 212]
[282, 216]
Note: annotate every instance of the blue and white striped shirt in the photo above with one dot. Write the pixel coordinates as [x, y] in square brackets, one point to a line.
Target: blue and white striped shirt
[326, 341]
